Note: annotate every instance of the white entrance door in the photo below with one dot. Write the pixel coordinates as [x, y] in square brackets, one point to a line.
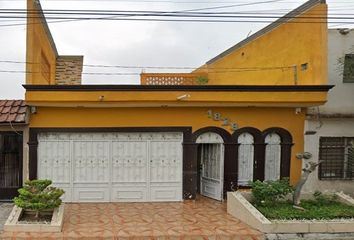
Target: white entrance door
[113, 167]
[212, 165]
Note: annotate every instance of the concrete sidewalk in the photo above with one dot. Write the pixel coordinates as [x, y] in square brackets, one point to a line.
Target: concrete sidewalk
[5, 209]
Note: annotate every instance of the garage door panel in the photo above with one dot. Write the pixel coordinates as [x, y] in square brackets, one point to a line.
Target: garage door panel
[165, 161]
[166, 193]
[91, 161]
[129, 162]
[129, 194]
[116, 167]
[54, 161]
[88, 194]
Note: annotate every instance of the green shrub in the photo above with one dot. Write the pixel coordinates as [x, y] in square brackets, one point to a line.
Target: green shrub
[36, 195]
[269, 192]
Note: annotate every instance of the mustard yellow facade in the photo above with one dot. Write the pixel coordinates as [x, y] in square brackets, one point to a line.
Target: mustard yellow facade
[168, 98]
[197, 118]
[261, 86]
[41, 52]
[275, 57]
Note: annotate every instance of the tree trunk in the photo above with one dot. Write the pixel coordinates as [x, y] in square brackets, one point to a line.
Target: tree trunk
[311, 166]
[298, 188]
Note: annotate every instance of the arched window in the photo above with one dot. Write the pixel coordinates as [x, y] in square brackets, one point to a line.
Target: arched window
[245, 158]
[272, 157]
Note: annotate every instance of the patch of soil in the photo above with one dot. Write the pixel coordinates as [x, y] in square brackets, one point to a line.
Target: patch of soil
[30, 217]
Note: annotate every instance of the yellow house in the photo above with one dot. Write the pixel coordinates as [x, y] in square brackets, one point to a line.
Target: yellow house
[173, 137]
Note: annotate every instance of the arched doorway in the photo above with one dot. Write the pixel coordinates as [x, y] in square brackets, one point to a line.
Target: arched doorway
[211, 165]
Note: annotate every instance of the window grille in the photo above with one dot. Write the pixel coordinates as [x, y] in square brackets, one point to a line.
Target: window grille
[348, 72]
[337, 154]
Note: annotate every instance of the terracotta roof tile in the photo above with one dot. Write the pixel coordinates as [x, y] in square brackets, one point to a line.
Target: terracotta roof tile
[3, 118]
[20, 118]
[13, 111]
[22, 110]
[11, 117]
[9, 103]
[6, 109]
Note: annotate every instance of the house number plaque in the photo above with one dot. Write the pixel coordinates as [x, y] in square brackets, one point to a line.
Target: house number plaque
[225, 121]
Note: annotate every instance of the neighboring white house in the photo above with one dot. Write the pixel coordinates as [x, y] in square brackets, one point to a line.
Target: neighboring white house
[329, 129]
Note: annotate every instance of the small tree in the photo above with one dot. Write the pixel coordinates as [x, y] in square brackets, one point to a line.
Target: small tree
[36, 195]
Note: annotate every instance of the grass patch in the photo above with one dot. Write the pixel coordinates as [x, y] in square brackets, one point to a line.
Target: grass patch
[313, 210]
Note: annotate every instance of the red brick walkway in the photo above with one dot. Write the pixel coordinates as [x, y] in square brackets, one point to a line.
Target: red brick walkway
[200, 219]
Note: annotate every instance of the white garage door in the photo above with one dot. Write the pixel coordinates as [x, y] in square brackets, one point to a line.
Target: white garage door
[113, 167]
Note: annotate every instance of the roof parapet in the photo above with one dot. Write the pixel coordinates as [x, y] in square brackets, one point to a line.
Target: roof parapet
[286, 18]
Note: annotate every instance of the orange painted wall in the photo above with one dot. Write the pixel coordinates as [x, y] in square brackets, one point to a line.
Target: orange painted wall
[292, 43]
[261, 118]
[41, 54]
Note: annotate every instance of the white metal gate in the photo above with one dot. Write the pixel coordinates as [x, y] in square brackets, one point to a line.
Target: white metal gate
[212, 165]
[113, 167]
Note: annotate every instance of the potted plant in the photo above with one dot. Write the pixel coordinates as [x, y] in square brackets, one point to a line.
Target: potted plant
[38, 208]
[37, 197]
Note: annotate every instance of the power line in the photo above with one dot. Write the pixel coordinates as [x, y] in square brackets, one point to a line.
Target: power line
[187, 20]
[185, 14]
[132, 73]
[159, 67]
[191, 18]
[79, 15]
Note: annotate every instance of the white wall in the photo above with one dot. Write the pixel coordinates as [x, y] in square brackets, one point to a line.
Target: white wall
[332, 128]
[341, 97]
[340, 101]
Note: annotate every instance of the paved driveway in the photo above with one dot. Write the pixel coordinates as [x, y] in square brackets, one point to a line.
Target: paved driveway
[200, 219]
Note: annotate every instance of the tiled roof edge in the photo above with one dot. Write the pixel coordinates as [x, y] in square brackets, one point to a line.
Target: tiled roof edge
[297, 11]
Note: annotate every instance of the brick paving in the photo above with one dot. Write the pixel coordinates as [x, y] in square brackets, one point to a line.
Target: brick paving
[200, 219]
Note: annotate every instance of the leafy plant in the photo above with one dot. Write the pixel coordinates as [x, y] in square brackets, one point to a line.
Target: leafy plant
[269, 192]
[202, 80]
[36, 195]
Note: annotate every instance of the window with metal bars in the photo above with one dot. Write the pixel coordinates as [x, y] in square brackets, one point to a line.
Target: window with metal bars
[348, 71]
[337, 154]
